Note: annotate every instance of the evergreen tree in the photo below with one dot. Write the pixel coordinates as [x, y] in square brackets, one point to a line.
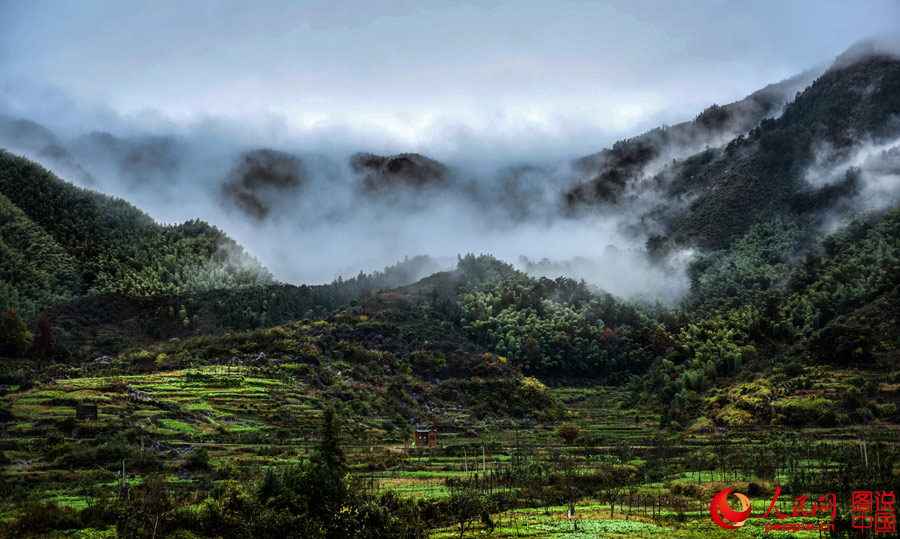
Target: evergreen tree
[15, 339]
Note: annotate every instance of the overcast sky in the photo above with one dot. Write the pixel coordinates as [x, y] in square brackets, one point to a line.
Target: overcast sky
[548, 77]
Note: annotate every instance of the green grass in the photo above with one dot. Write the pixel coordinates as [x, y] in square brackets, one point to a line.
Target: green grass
[178, 425]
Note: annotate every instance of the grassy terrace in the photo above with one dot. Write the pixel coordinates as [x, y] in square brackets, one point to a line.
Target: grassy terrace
[245, 421]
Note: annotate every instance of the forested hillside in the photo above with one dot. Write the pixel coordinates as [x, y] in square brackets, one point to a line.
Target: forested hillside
[764, 174]
[60, 242]
[556, 327]
[102, 324]
[109, 277]
[614, 170]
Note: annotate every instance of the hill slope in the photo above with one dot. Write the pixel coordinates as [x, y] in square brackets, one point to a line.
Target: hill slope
[761, 175]
[613, 170]
[61, 242]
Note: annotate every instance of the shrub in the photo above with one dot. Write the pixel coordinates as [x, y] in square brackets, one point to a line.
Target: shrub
[198, 460]
[568, 431]
[5, 411]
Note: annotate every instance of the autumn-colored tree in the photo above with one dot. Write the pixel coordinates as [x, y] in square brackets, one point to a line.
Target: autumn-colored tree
[568, 431]
[661, 341]
[44, 346]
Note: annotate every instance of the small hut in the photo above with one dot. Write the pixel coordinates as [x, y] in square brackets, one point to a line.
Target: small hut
[426, 437]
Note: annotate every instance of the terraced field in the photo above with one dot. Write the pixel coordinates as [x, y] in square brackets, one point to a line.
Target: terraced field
[205, 425]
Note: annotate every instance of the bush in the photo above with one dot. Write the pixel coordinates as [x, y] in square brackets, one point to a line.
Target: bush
[862, 415]
[40, 518]
[568, 431]
[83, 456]
[805, 411]
[5, 411]
[198, 460]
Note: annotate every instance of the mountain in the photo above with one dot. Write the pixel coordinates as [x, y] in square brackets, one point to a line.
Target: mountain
[107, 324]
[763, 174]
[60, 242]
[99, 266]
[612, 171]
[754, 161]
[261, 178]
[411, 171]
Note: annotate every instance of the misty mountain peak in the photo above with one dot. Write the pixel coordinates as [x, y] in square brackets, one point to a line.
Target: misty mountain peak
[404, 171]
[260, 178]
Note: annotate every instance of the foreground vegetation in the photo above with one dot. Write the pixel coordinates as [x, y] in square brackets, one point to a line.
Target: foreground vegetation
[205, 456]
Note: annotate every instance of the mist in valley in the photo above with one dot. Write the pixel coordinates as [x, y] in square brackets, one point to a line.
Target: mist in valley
[313, 212]
[328, 168]
[312, 216]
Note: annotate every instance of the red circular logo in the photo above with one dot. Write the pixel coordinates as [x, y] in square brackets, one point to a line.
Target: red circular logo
[719, 510]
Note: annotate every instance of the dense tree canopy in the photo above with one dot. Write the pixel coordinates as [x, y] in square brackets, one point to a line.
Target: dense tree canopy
[557, 326]
[59, 241]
